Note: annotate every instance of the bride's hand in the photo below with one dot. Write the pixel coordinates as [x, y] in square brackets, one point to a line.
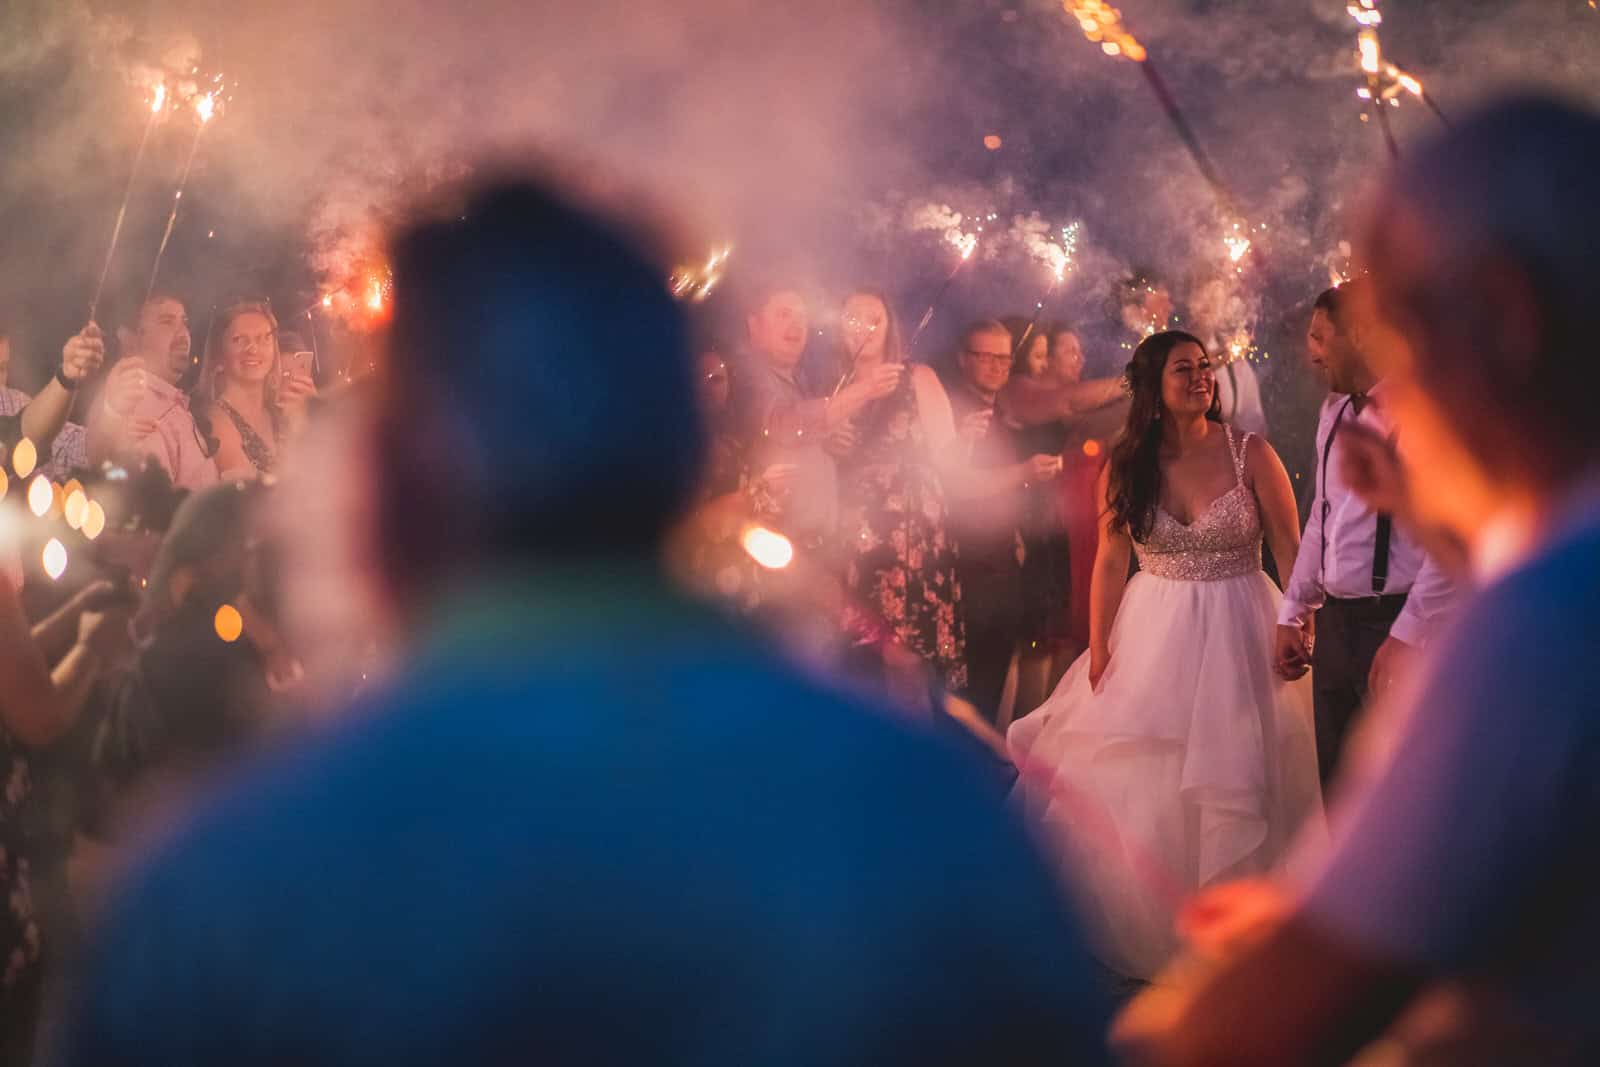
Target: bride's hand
[1099, 659]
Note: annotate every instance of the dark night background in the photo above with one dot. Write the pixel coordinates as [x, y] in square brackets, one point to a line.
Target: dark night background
[801, 134]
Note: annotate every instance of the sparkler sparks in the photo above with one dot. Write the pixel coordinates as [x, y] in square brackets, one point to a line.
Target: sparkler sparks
[768, 548]
[694, 284]
[957, 230]
[206, 107]
[158, 105]
[1385, 82]
[953, 229]
[1102, 24]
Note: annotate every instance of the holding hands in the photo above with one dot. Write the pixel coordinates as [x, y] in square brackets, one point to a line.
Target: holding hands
[1292, 655]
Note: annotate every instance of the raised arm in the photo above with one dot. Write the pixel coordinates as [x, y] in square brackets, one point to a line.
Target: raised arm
[37, 705]
[1108, 582]
[1029, 403]
[47, 412]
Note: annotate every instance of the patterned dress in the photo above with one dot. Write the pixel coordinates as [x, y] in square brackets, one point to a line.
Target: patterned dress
[256, 449]
[900, 564]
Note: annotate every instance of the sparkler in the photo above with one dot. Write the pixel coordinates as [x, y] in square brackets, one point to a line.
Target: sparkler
[1058, 258]
[205, 108]
[965, 242]
[694, 284]
[1102, 24]
[157, 106]
[1385, 82]
[855, 360]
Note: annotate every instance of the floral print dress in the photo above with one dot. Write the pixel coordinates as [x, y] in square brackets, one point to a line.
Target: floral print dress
[900, 563]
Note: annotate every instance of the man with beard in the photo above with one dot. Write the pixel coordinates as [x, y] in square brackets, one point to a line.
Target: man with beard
[144, 412]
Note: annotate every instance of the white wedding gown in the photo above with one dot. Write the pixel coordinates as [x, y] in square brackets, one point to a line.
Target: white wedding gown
[1194, 763]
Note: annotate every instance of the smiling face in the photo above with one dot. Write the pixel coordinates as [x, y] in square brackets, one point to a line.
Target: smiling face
[1188, 384]
[1332, 352]
[249, 348]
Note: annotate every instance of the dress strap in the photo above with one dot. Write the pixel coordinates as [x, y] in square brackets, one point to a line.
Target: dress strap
[1237, 450]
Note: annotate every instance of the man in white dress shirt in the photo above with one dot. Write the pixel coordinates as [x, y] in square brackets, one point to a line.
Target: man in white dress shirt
[1374, 592]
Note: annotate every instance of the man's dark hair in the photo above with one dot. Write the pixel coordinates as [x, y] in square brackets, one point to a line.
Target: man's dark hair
[129, 312]
[974, 328]
[539, 387]
[1338, 302]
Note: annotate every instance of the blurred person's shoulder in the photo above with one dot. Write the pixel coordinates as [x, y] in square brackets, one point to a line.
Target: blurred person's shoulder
[1539, 611]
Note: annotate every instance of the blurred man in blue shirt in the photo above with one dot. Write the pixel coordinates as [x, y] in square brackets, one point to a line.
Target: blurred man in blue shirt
[591, 822]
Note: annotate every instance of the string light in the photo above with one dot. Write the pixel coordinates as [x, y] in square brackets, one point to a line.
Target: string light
[228, 623]
[24, 458]
[94, 520]
[75, 507]
[41, 496]
[1102, 24]
[54, 558]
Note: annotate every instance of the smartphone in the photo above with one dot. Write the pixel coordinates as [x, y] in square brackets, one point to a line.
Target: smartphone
[301, 362]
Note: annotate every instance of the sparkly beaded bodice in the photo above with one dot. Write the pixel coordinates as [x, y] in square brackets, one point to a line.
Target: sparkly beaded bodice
[1223, 541]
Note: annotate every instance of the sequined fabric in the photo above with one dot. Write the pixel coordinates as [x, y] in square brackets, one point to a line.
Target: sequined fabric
[1223, 541]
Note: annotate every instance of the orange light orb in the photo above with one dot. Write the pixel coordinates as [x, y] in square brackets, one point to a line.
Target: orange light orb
[229, 623]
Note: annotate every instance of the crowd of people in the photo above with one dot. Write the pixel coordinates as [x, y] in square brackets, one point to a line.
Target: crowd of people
[740, 698]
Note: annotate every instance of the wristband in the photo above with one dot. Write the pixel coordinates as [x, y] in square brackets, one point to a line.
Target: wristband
[66, 383]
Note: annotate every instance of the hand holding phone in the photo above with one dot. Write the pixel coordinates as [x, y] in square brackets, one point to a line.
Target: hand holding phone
[298, 363]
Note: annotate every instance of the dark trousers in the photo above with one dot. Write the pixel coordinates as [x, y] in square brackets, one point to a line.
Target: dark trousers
[991, 598]
[1348, 635]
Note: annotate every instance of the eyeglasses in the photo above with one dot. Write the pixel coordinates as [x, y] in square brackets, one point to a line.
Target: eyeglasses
[992, 359]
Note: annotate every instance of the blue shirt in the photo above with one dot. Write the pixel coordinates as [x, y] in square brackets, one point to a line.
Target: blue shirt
[595, 824]
[1468, 843]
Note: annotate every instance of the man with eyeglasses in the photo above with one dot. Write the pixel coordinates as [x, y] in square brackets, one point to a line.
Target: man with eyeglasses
[985, 513]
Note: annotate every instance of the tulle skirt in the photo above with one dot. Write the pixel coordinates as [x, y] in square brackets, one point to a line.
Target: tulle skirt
[1193, 764]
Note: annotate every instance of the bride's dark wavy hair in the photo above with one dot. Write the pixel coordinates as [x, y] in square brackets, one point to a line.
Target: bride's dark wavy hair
[1133, 481]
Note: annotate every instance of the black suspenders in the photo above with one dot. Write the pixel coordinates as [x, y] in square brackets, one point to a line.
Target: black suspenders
[1380, 548]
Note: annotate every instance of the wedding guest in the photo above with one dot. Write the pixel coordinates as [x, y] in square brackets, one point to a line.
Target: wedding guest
[143, 411]
[986, 515]
[81, 357]
[691, 853]
[899, 559]
[247, 401]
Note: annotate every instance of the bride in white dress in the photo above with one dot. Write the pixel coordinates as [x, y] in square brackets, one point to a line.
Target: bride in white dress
[1171, 756]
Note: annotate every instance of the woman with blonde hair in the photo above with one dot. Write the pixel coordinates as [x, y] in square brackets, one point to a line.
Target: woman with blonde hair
[248, 401]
